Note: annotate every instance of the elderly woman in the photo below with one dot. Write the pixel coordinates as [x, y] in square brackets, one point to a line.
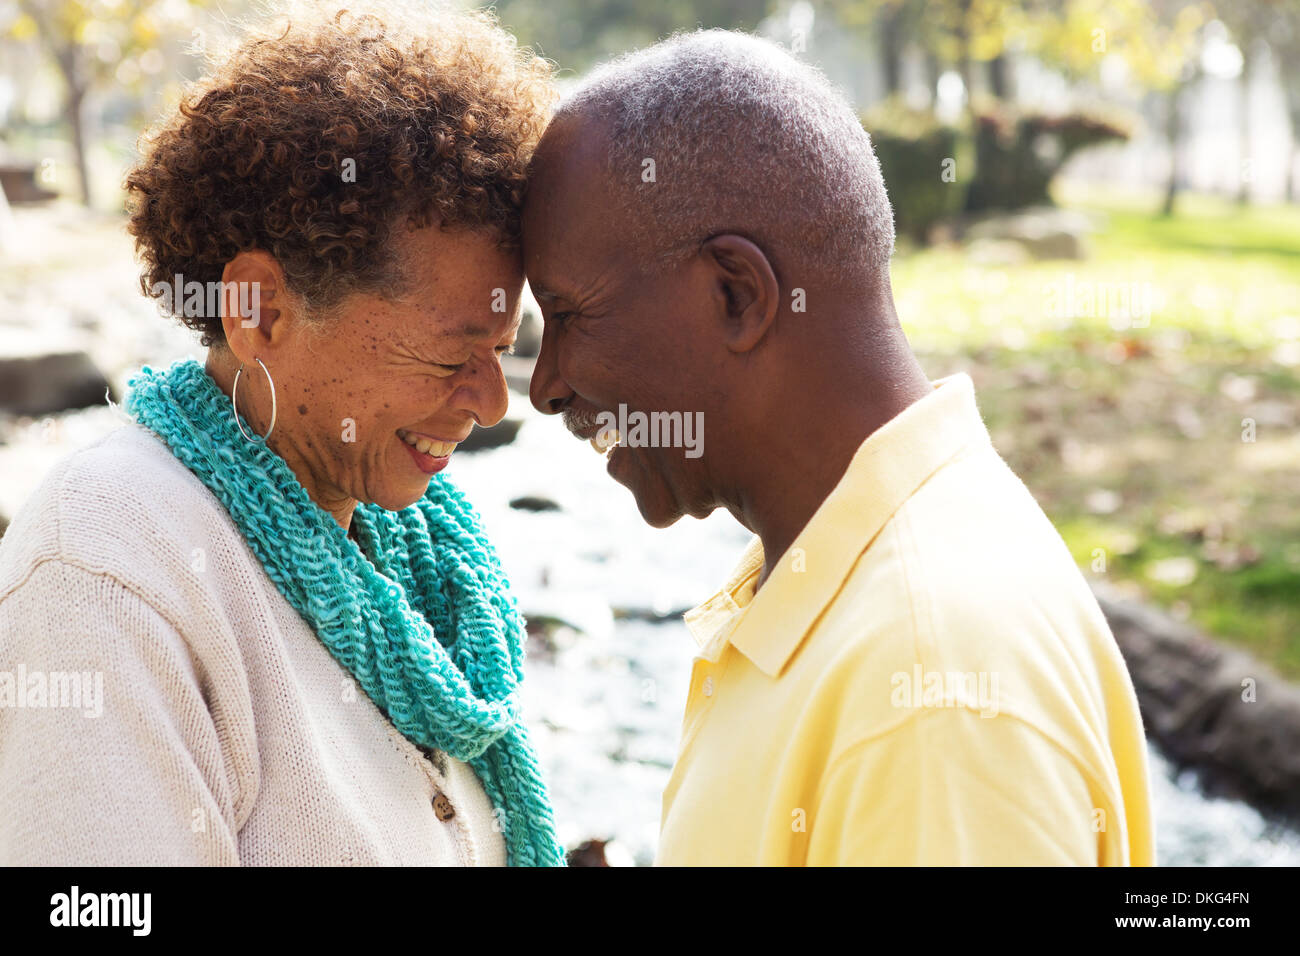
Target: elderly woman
[307, 649]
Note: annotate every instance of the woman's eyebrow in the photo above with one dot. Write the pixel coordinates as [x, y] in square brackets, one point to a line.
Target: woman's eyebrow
[480, 332]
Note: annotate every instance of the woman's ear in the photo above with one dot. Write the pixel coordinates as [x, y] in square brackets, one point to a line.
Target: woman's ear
[252, 297]
[746, 288]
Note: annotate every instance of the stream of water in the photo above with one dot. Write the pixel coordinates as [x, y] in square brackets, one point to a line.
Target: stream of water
[605, 697]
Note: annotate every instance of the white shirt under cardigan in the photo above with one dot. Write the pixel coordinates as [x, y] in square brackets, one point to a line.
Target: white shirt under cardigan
[228, 733]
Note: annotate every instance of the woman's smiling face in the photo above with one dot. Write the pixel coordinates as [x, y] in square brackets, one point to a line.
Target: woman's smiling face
[372, 400]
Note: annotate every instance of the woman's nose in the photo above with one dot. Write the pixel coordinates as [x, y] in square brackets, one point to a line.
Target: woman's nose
[486, 395]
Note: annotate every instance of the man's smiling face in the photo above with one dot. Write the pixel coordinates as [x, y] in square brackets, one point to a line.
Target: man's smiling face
[615, 334]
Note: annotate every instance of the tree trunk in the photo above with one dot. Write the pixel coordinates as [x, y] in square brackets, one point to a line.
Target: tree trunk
[76, 99]
[932, 71]
[1244, 171]
[1292, 177]
[965, 64]
[1291, 96]
[7, 229]
[1173, 132]
[68, 64]
[1000, 77]
[891, 50]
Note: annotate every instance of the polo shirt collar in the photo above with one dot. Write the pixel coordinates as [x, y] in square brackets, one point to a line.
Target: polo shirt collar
[890, 465]
[712, 622]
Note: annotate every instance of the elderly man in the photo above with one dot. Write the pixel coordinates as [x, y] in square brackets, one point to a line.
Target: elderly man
[906, 666]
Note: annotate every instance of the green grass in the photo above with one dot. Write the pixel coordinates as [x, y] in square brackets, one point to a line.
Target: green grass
[1130, 433]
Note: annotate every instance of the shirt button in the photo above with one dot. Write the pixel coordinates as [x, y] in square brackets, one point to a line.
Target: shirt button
[708, 687]
[442, 807]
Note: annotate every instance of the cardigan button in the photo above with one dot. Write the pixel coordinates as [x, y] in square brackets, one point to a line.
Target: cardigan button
[442, 807]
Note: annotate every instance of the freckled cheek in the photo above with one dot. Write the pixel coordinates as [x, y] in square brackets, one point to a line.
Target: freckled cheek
[415, 401]
[334, 415]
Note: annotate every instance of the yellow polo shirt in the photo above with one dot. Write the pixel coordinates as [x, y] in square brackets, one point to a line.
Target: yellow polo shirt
[924, 678]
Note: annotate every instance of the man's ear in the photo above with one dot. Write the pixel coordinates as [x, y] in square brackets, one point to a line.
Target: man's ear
[746, 289]
[254, 301]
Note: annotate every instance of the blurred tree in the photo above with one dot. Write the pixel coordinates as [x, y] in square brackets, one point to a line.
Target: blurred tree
[1275, 24]
[579, 33]
[1250, 22]
[962, 34]
[1285, 41]
[895, 23]
[1018, 153]
[912, 145]
[1159, 41]
[89, 41]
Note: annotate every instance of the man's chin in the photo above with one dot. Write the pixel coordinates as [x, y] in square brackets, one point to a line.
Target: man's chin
[658, 517]
[653, 498]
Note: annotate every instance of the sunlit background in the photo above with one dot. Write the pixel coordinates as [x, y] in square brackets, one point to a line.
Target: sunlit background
[1097, 209]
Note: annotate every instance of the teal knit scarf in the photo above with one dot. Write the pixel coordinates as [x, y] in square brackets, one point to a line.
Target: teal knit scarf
[424, 619]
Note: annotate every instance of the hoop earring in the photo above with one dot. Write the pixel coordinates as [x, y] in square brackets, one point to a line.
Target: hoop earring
[234, 390]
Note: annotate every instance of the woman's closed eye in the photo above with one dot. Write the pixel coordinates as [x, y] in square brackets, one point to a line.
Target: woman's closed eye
[500, 350]
[444, 368]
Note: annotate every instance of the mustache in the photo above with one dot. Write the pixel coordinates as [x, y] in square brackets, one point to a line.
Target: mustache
[580, 421]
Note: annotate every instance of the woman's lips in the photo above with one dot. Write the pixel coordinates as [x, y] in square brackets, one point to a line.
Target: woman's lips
[429, 454]
[428, 444]
[427, 463]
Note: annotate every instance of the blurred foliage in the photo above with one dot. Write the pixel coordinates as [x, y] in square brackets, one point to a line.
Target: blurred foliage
[915, 149]
[953, 31]
[1017, 154]
[1001, 158]
[123, 47]
[1151, 467]
[1156, 38]
[579, 33]
[97, 44]
[1130, 433]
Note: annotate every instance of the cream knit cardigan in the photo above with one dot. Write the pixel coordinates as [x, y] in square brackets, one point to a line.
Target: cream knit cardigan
[227, 734]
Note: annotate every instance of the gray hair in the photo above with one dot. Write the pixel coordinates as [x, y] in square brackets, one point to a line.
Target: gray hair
[744, 138]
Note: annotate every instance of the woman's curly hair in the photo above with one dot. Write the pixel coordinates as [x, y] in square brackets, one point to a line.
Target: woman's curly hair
[325, 131]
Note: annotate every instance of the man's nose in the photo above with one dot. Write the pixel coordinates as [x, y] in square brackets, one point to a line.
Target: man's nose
[548, 390]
